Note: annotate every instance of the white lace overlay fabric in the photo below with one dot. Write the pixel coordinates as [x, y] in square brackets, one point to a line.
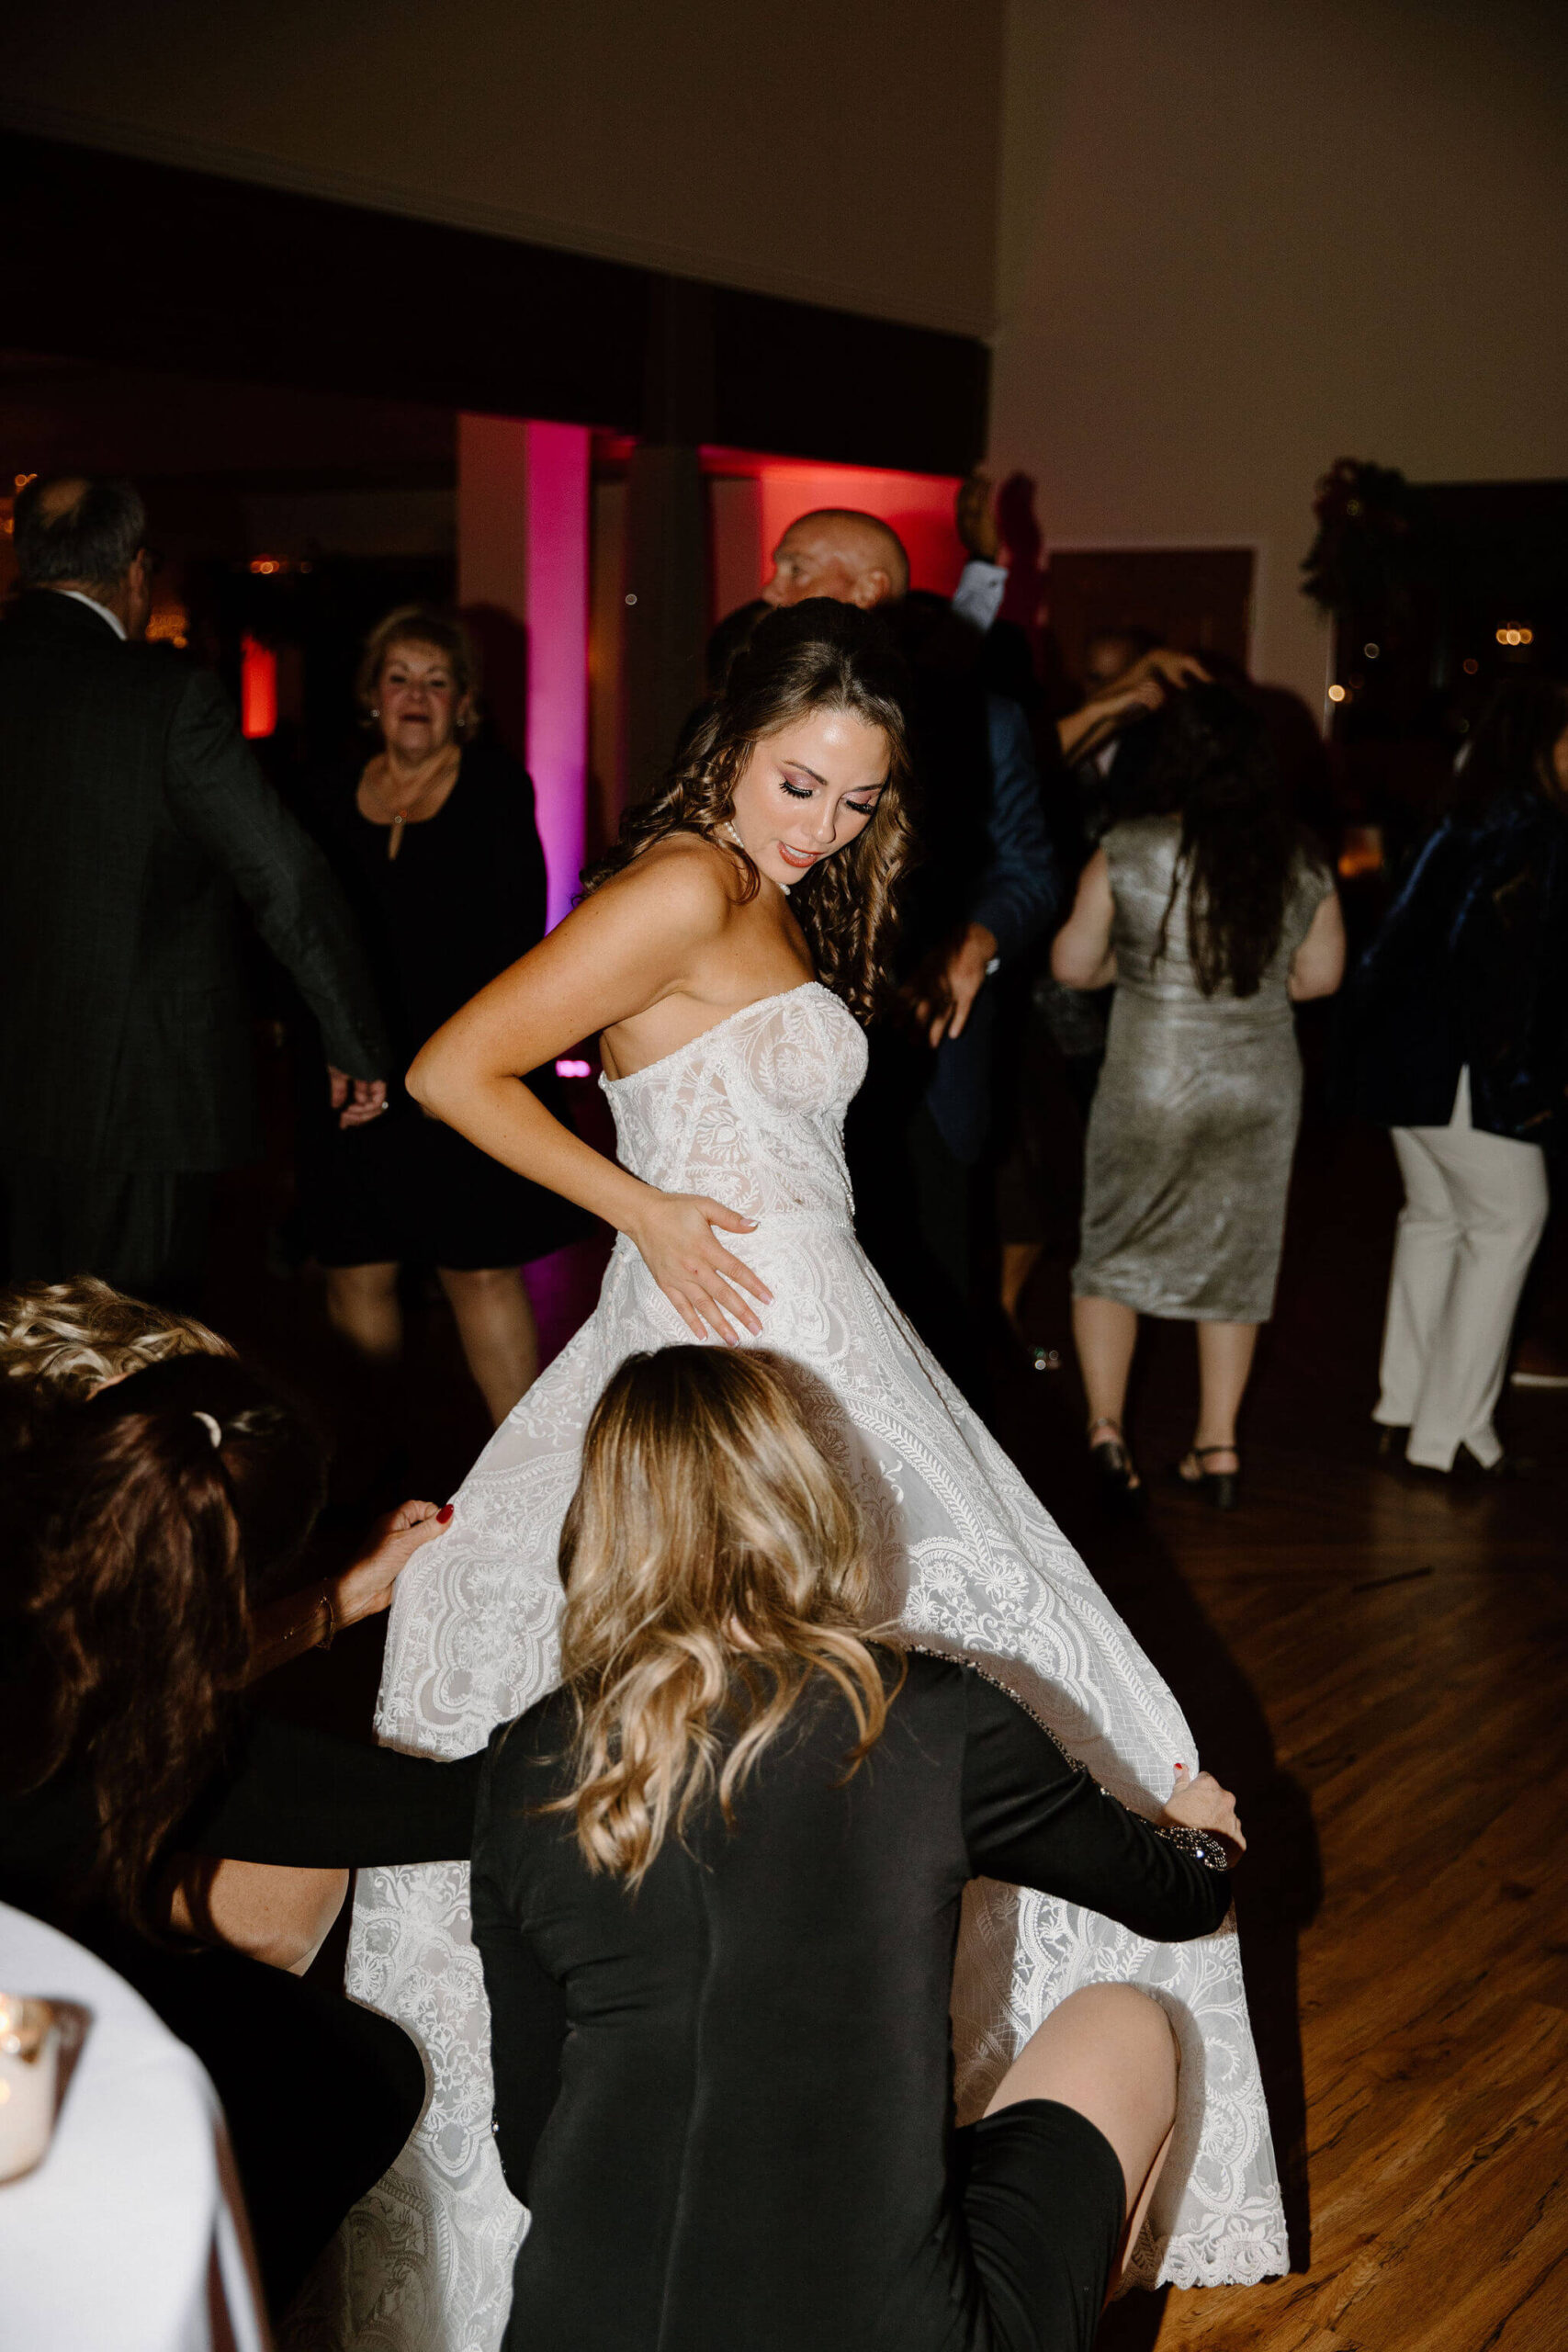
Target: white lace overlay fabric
[751, 1113]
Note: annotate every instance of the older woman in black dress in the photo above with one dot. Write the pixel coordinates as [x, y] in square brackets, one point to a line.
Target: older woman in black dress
[435, 842]
[716, 1888]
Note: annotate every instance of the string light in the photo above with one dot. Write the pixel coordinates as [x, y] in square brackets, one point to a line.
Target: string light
[1336, 694]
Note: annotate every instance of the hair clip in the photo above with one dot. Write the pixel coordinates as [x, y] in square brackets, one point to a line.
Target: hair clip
[213, 1432]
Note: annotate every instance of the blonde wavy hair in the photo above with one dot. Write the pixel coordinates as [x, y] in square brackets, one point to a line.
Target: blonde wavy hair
[72, 1336]
[715, 1565]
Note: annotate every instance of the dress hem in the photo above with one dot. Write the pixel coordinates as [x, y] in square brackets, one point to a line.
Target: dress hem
[1124, 1294]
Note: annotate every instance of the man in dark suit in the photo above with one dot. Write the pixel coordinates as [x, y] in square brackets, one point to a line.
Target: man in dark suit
[133, 821]
[987, 887]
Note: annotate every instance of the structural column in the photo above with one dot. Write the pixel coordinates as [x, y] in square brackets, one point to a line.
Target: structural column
[667, 549]
[523, 524]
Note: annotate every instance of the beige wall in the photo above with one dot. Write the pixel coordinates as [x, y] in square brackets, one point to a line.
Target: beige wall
[1241, 238]
[840, 151]
[1235, 238]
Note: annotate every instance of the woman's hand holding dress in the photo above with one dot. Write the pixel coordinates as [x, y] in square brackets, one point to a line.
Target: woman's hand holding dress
[280, 1629]
[366, 1589]
[1200, 1802]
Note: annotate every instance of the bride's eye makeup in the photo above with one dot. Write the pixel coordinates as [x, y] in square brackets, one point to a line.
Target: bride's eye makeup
[803, 792]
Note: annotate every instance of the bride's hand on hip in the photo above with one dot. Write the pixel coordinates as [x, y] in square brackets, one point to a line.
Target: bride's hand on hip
[675, 1236]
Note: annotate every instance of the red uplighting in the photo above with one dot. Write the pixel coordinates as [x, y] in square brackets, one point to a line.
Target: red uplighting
[258, 689]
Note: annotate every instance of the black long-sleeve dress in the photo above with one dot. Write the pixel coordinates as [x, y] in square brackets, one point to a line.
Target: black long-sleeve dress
[728, 2099]
[319, 2094]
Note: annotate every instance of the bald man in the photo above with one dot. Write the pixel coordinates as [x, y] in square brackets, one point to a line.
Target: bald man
[838, 552]
[133, 823]
[987, 890]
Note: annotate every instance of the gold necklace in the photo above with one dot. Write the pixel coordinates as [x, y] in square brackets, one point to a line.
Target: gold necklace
[399, 819]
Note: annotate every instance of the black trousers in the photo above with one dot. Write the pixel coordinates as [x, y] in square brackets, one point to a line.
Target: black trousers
[915, 1209]
[146, 1233]
[319, 2094]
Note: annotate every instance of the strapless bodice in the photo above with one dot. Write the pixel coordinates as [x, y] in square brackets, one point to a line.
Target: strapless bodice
[752, 1112]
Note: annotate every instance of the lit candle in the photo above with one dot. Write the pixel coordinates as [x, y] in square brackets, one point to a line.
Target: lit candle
[29, 2053]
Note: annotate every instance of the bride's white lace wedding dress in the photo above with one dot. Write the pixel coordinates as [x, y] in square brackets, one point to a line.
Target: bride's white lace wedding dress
[751, 1113]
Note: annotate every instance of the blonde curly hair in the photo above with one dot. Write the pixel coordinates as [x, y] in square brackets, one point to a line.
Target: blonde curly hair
[72, 1336]
[716, 1569]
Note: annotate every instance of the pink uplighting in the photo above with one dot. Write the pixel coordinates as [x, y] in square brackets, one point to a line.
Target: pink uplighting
[574, 1070]
[258, 689]
[919, 507]
[558, 460]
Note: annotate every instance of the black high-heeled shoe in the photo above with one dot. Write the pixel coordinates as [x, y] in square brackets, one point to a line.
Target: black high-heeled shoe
[1222, 1488]
[1122, 1491]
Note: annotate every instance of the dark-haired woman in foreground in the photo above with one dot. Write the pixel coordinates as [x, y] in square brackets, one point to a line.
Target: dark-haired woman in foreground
[728, 954]
[1212, 916]
[147, 1526]
[716, 1885]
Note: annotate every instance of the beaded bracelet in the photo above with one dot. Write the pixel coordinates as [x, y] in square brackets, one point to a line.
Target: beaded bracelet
[1201, 1844]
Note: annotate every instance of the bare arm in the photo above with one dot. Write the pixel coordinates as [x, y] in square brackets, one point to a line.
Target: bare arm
[271, 1911]
[281, 1628]
[1318, 965]
[1081, 954]
[634, 945]
[1083, 732]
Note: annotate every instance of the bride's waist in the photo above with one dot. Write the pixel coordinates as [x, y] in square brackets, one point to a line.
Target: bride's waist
[771, 1201]
[836, 1223]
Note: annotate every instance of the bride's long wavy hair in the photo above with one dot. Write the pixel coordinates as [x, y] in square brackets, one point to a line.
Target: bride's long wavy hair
[715, 1566]
[817, 655]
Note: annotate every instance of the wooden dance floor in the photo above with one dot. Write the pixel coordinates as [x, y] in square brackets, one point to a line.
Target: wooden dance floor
[1380, 1669]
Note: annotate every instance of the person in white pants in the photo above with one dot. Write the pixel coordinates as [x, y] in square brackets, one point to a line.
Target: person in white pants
[1454, 1036]
[1476, 1206]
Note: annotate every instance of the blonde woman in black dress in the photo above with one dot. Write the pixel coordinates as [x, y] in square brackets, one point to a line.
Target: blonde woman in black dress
[715, 1887]
[1212, 916]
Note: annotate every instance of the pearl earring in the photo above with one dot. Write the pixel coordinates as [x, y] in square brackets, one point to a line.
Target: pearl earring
[729, 827]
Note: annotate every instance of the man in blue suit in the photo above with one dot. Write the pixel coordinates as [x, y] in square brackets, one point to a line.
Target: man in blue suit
[987, 888]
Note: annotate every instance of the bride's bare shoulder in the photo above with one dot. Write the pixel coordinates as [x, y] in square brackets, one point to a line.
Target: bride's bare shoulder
[683, 880]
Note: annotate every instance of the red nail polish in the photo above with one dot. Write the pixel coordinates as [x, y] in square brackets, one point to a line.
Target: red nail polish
[444, 1513]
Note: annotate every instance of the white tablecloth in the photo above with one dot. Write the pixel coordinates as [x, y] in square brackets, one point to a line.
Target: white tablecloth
[131, 2235]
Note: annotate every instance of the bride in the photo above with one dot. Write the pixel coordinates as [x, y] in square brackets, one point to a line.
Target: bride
[728, 952]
